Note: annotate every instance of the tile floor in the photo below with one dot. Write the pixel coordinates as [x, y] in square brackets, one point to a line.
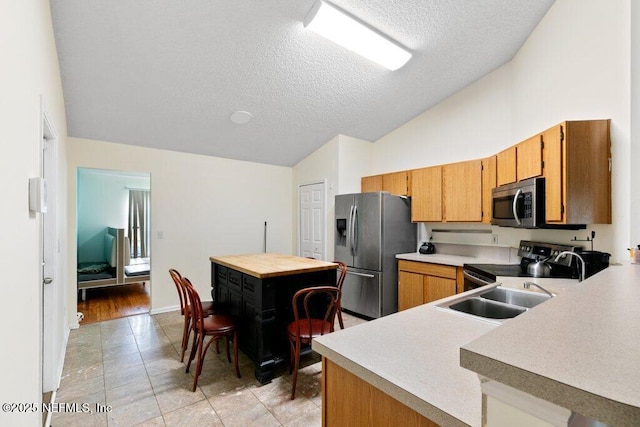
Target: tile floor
[133, 365]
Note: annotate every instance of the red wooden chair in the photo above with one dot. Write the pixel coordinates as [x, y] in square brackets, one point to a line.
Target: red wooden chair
[207, 308]
[215, 326]
[319, 305]
[342, 273]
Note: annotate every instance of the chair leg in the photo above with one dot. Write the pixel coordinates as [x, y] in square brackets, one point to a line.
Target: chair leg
[291, 356]
[194, 348]
[199, 362]
[228, 352]
[340, 319]
[186, 332]
[295, 372]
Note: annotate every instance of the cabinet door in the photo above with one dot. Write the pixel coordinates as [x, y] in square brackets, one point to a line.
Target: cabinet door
[436, 288]
[529, 158]
[410, 290]
[462, 191]
[396, 183]
[426, 194]
[488, 184]
[371, 183]
[506, 166]
[553, 155]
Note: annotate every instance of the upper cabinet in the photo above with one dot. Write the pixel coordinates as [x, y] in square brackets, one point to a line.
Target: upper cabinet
[462, 191]
[488, 184]
[577, 171]
[371, 183]
[426, 194]
[506, 166]
[573, 157]
[394, 183]
[529, 158]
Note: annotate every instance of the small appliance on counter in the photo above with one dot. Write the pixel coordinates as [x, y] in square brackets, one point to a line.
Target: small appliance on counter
[427, 248]
[538, 259]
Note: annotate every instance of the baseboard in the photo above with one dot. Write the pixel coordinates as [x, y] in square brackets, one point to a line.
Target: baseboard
[164, 309]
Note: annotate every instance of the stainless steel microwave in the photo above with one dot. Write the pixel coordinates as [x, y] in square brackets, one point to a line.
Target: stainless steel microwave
[520, 204]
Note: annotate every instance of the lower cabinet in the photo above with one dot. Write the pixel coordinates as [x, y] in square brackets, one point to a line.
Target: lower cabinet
[421, 282]
[350, 401]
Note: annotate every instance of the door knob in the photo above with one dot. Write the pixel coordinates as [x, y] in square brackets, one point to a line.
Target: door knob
[47, 280]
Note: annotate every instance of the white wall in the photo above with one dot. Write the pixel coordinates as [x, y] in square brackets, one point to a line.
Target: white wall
[321, 165]
[29, 69]
[202, 205]
[341, 162]
[575, 65]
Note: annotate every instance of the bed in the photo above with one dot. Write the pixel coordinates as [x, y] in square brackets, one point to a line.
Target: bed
[116, 268]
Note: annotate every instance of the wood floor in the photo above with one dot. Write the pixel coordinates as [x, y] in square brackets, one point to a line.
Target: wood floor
[114, 302]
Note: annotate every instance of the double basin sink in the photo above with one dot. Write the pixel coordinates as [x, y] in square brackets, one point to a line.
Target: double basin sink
[497, 303]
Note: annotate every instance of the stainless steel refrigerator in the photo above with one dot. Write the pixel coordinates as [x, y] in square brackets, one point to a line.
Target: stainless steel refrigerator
[370, 229]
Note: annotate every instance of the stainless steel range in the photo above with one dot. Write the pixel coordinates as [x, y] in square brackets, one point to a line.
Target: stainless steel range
[538, 259]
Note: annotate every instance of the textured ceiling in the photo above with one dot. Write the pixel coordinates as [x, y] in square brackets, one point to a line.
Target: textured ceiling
[168, 74]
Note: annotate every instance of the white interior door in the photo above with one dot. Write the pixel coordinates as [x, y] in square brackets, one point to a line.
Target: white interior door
[53, 306]
[312, 219]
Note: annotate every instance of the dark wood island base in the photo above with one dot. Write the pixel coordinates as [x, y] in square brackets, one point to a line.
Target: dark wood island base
[257, 289]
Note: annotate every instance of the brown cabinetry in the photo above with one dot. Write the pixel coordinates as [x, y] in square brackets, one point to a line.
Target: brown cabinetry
[348, 400]
[577, 172]
[529, 158]
[371, 183]
[506, 166]
[426, 194]
[420, 283]
[394, 183]
[488, 184]
[462, 191]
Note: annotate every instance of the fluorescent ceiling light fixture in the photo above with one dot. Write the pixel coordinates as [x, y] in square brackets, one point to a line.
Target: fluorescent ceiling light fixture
[335, 25]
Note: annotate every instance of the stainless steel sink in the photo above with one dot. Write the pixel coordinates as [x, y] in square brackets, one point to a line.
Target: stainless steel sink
[515, 297]
[496, 304]
[487, 308]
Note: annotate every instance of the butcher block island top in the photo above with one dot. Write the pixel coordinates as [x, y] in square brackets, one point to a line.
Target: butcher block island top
[267, 265]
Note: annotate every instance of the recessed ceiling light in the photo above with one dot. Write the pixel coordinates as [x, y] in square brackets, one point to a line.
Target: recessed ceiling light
[335, 25]
[241, 117]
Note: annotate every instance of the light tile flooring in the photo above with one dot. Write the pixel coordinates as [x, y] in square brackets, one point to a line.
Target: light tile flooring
[133, 365]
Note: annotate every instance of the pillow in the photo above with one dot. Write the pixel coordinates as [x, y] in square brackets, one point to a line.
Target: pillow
[110, 253]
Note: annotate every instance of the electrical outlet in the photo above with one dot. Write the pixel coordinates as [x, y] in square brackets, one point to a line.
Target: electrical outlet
[494, 239]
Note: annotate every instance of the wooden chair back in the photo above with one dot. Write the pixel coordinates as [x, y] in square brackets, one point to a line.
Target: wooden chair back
[319, 306]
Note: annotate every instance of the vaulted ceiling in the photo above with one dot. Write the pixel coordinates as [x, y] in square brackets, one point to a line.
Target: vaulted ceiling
[168, 74]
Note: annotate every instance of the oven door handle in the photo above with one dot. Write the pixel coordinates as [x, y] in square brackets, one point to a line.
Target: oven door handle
[515, 206]
[475, 279]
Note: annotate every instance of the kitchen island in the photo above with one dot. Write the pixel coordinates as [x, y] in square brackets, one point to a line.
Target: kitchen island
[256, 289]
[579, 351]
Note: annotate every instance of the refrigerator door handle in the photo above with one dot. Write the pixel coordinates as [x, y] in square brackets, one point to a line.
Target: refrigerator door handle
[354, 230]
[361, 274]
[350, 231]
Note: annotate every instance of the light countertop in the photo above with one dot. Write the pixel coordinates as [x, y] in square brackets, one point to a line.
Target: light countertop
[580, 350]
[454, 260]
[414, 356]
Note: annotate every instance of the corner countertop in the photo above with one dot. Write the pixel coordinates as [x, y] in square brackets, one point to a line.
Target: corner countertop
[580, 350]
[444, 259]
[406, 357]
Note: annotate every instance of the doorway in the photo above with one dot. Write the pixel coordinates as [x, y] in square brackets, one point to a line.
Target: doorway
[312, 220]
[114, 259]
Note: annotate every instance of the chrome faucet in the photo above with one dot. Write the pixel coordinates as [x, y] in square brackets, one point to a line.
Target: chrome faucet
[527, 285]
[582, 270]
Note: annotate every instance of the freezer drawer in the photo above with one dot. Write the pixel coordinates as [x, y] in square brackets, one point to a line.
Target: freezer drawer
[362, 292]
